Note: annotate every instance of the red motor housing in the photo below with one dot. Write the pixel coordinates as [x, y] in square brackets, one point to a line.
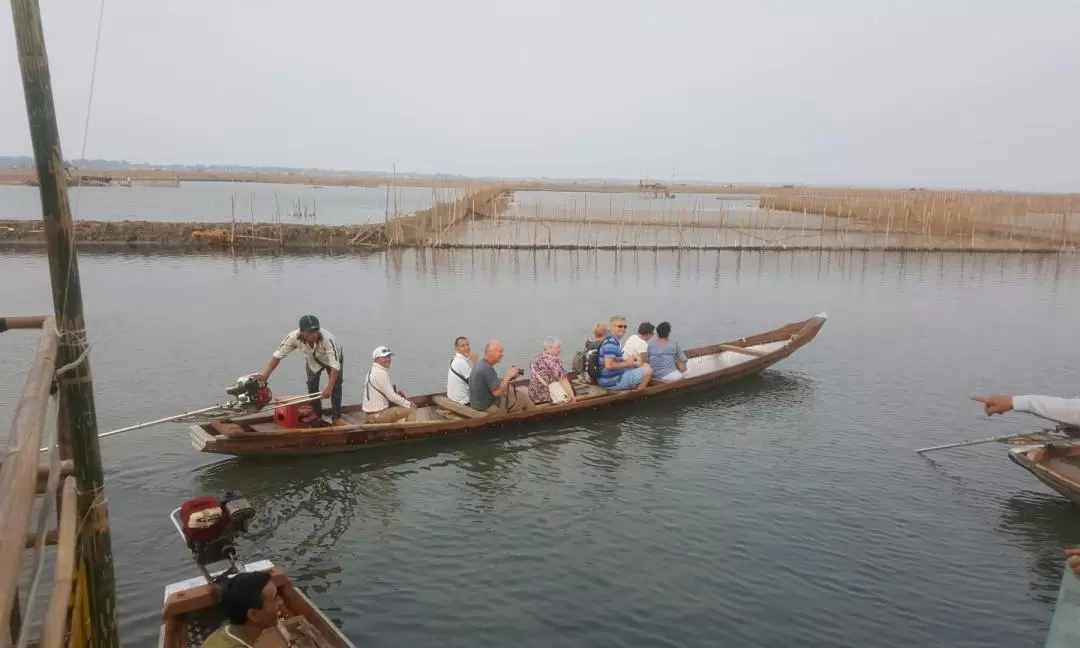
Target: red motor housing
[292, 416]
[203, 519]
[264, 397]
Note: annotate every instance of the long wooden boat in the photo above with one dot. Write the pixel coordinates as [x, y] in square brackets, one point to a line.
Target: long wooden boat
[437, 416]
[1054, 459]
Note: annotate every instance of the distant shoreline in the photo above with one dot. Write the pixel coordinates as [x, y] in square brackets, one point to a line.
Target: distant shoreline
[28, 176]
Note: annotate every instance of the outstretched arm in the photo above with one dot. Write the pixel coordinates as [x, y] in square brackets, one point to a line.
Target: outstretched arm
[1059, 410]
[270, 366]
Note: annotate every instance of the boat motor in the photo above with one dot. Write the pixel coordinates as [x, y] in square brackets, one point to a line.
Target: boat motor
[210, 527]
[250, 393]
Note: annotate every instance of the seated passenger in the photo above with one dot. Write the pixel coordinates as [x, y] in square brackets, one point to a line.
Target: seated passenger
[666, 358]
[382, 402]
[457, 378]
[638, 344]
[617, 374]
[488, 393]
[250, 603]
[548, 375]
[585, 362]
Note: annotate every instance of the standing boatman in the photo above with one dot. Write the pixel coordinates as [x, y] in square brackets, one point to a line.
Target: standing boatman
[323, 353]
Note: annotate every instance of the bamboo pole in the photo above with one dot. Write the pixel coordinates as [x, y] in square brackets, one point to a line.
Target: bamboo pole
[232, 234]
[53, 634]
[18, 473]
[75, 387]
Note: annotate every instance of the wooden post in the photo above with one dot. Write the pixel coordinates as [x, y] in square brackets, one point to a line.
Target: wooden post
[75, 387]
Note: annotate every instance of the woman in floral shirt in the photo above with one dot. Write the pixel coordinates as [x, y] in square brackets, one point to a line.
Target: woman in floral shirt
[545, 369]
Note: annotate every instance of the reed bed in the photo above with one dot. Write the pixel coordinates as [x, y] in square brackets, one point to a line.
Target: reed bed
[954, 219]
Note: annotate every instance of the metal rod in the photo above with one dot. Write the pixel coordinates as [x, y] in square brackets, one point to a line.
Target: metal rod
[287, 401]
[95, 555]
[1004, 437]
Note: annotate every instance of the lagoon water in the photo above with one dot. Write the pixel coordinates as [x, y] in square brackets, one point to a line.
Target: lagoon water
[785, 510]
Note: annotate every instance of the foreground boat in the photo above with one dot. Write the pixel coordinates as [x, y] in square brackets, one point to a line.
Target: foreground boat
[438, 416]
[192, 610]
[1053, 456]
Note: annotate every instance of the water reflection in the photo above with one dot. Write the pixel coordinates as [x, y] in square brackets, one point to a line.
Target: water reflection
[1043, 525]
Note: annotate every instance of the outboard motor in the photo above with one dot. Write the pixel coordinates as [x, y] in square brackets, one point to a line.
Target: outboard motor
[250, 393]
[210, 527]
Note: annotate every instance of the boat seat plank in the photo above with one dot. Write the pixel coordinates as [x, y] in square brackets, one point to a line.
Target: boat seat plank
[739, 349]
[457, 408]
[447, 415]
[587, 391]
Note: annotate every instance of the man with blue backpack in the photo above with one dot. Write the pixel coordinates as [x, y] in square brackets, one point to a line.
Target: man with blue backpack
[617, 374]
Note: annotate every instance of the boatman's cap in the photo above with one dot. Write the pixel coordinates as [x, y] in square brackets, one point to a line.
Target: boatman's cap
[309, 323]
[380, 352]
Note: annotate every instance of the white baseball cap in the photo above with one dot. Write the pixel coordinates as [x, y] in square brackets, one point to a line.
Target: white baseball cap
[380, 352]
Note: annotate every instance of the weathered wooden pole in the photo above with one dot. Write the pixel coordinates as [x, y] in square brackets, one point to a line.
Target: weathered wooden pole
[76, 389]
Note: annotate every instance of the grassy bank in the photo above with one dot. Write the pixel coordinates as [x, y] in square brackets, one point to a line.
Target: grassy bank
[425, 227]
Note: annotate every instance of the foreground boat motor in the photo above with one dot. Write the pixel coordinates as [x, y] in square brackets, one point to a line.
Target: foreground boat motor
[250, 393]
[210, 527]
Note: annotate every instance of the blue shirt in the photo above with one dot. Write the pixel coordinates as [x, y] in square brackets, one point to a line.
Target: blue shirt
[609, 347]
[662, 356]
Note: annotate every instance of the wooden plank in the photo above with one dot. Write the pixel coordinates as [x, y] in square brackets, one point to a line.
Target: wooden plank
[51, 537]
[28, 322]
[55, 618]
[457, 408]
[739, 349]
[66, 468]
[19, 470]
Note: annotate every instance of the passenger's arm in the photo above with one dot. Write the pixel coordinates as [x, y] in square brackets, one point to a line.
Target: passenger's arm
[680, 359]
[569, 389]
[1060, 410]
[382, 381]
[611, 363]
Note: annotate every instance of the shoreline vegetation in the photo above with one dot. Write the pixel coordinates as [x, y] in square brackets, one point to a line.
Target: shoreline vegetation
[785, 218]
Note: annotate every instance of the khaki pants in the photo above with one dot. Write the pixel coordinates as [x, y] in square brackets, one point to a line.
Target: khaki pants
[514, 400]
[392, 415]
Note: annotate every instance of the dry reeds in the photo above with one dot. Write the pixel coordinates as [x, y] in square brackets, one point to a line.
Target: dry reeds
[954, 219]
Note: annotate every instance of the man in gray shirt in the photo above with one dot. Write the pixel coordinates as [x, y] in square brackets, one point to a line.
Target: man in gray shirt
[487, 393]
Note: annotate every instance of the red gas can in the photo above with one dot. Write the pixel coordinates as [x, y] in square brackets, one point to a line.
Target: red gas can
[292, 416]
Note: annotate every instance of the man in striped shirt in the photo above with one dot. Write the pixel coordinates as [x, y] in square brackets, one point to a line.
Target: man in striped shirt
[617, 374]
[323, 353]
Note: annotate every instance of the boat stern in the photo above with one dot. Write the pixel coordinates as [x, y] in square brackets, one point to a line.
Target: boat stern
[199, 438]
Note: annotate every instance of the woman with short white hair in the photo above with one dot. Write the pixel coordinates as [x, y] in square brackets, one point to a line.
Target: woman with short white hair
[548, 381]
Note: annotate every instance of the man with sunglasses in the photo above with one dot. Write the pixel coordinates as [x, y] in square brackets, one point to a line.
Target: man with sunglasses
[617, 374]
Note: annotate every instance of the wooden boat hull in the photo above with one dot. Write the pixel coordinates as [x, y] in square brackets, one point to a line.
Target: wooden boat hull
[191, 611]
[710, 366]
[1062, 475]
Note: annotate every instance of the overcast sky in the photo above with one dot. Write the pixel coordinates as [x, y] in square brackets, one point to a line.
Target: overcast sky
[950, 93]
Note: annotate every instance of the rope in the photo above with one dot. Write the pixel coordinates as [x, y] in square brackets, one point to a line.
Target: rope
[74, 363]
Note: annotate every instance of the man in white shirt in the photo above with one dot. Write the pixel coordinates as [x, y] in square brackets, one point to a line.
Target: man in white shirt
[382, 403]
[323, 353]
[457, 378]
[638, 344]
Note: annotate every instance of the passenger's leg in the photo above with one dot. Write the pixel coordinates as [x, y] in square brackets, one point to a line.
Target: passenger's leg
[646, 374]
[393, 414]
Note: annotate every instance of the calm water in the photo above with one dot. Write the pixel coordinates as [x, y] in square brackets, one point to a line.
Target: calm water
[212, 202]
[786, 511]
